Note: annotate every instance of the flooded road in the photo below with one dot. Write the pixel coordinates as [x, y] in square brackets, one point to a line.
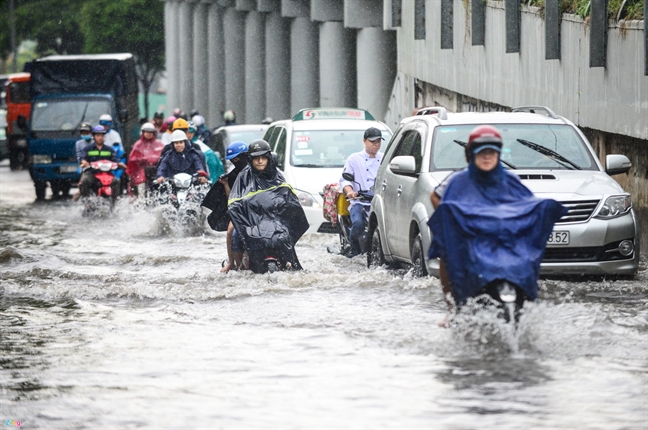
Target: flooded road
[110, 322]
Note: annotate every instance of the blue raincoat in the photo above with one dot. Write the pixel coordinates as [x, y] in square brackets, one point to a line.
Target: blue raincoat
[489, 226]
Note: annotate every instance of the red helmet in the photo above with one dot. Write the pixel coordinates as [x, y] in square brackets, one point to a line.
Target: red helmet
[483, 136]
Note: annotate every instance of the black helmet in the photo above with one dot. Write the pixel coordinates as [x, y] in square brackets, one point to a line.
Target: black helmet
[85, 126]
[158, 114]
[258, 148]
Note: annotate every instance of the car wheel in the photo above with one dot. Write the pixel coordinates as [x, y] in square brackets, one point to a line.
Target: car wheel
[40, 187]
[375, 256]
[418, 257]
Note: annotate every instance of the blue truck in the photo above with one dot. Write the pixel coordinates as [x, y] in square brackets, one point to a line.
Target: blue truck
[67, 90]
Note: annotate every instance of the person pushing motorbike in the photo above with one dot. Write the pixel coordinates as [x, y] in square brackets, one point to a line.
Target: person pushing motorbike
[266, 212]
[97, 151]
[363, 166]
[488, 226]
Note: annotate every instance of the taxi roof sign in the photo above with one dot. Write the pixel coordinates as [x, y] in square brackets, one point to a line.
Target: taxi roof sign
[333, 113]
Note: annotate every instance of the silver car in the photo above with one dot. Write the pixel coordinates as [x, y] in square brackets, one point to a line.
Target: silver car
[553, 159]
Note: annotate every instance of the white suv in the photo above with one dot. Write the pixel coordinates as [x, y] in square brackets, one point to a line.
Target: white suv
[553, 159]
[311, 150]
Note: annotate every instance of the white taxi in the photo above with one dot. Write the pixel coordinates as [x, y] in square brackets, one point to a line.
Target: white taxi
[311, 150]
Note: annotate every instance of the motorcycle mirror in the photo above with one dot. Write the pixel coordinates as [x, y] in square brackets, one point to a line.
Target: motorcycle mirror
[22, 122]
[348, 177]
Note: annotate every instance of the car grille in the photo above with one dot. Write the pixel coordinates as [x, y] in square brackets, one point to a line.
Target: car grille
[536, 177]
[608, 252]
[579, 211]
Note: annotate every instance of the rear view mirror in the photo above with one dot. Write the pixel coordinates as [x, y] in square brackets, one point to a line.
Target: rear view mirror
[616, 164]
[22, 122]
[403, 165]
[348, 176]
[123, 115]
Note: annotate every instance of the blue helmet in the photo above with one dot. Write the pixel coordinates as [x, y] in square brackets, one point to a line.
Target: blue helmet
[235, 149]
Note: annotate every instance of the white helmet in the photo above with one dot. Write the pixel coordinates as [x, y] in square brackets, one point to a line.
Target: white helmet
[178, 136]
[198, 120]
[105, 117]
[147, 126]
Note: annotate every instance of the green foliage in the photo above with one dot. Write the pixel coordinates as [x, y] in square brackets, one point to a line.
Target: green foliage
[51, 23]
[135, 26]
[633, 9]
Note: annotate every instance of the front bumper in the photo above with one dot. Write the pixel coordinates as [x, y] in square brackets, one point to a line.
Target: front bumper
[55, 171]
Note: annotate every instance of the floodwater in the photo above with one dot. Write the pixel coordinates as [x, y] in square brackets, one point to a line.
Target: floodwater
[111, 322]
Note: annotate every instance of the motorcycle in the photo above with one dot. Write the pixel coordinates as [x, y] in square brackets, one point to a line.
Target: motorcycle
[343, 219]
[504, 295]
[179, 199]
[104, 172]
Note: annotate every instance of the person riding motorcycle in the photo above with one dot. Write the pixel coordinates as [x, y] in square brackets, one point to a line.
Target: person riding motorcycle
[97, 151]
[85, 130]
[266, 212]
[182, 125]
[182, 158]
[488, 226]
[143, 158]
[158, 122]
[167, 129]
[364, 166]
[202, 131]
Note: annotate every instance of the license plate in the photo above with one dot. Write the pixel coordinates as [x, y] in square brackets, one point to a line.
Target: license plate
[68, 168]
[558, 238]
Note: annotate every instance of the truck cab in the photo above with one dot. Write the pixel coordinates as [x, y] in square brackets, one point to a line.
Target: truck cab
[65, 91]
[18, 111]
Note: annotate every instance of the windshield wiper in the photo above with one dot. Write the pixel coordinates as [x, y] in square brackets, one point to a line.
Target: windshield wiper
[85, 109]
[308, 165]
[463, 144]
[550, 153]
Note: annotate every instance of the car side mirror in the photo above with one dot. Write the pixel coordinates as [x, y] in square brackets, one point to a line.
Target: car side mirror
[616, 164]
[123, 115]
[22, 122]
[403, 165]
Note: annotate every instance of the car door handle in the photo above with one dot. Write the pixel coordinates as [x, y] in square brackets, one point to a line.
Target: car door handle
[384, 185]
[399, 190]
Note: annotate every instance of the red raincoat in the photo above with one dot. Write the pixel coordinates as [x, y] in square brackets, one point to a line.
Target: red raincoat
[145, 153]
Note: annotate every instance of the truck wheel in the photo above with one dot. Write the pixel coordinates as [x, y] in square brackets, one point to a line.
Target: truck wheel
[418, 257]
[17, 159]
[40, 187]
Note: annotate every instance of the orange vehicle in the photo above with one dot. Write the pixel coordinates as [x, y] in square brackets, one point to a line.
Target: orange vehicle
[18, 105]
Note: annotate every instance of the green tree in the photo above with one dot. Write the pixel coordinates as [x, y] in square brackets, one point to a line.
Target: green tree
[135, 26]
[53, 24]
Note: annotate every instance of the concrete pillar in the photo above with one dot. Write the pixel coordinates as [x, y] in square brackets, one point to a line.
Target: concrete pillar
[200, 54]
[255, 81]
[215, 67]
[304, 64]
[277, 66]
[234, 36]
[171, 54]
[185, 47]
[337, 60]
[376, 65]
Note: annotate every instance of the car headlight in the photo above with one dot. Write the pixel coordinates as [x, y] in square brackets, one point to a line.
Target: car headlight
[41, 159]
[614, 206]
[306, 199]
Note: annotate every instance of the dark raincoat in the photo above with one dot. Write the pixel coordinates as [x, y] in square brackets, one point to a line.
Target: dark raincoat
[489, 226]
[266, 213]
[216, 201]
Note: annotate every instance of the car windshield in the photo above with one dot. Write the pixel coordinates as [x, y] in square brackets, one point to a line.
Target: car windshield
[326, 148]
[246, 136]
[67, 114]
[525, 146]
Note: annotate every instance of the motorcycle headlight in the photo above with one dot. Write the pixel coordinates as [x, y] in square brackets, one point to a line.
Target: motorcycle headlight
[614, 206]
[306, 199]
[41, 159]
